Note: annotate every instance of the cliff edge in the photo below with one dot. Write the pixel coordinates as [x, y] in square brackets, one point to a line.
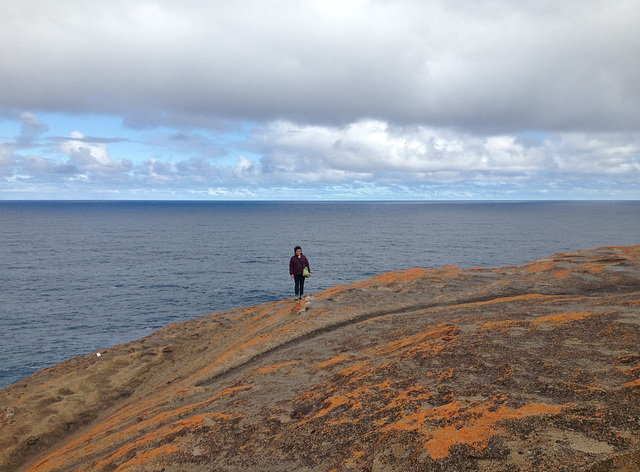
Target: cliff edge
[535, 367]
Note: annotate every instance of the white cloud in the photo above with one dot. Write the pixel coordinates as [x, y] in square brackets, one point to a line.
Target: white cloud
[239, 194]
[156, 171]
[369, 147]
[92, 157]
[598, 154]
[364, 159]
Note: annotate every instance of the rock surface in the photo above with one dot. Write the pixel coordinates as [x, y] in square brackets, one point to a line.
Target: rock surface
[526, 368]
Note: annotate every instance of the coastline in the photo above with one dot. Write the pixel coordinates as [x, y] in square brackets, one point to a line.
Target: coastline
[523, 366]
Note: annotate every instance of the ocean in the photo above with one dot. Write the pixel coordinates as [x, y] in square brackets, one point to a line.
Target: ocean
[83, 276]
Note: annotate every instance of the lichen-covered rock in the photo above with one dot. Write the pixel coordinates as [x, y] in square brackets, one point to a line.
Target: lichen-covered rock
[524, 368]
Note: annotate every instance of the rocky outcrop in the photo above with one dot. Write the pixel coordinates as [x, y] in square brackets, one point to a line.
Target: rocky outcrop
[526, 368]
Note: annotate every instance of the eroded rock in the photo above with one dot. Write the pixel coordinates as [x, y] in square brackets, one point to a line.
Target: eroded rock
[535, 367]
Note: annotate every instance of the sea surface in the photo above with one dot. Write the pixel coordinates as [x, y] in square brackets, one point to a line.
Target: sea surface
[77, 277]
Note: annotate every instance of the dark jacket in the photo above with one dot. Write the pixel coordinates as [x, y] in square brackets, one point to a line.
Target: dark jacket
[296, 265]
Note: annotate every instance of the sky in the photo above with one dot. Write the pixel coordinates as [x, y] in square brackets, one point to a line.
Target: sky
[320, 100]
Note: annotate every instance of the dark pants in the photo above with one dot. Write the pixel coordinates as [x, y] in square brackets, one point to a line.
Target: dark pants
[299, 279]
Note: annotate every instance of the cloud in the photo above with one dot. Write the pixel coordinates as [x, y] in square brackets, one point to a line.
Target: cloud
[7, 159]
[31, 128]
[429, 158]
[606, 155]
[374, 147]
[92, 158]
[489, 66]
[367, 159]
[360, 99]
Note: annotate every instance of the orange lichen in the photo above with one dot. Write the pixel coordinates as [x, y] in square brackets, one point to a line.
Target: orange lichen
[229, 391]
[180, 393]
[331, 362]
[595, 268]
[147, 447]
[257, 340]
[481, 428]
[146, 457]
[508, 372]
[503, 326]
[415, 394]
[472, 425]
[429, 341]
[106, 435]
[539, 266]
[359, 369]
[447, 374]
[271, 369]
[393, 277]
[634, 302]
[635, 383]
[333, 403]
[562, 318]
[352, 461]
[562, 274]
[331, 292]
[222, 416]
[386, 280]
[372, 400]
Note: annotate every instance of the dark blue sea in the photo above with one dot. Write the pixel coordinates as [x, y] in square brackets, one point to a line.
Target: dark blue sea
[82, 276]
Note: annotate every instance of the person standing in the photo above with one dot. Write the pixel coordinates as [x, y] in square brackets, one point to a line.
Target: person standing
[297, 264]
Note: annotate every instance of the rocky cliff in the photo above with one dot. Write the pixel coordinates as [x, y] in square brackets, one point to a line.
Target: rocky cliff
[535, 367]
